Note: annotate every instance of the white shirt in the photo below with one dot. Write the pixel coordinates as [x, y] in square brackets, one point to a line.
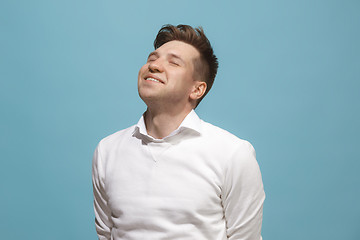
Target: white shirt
[200, 182]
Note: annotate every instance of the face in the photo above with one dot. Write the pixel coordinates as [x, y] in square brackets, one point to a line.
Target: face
[168, 75]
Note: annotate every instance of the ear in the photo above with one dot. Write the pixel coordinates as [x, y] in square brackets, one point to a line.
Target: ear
[198, 90]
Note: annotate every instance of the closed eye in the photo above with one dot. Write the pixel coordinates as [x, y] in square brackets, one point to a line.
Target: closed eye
[152, 57]
[175, 60]
[174, 63]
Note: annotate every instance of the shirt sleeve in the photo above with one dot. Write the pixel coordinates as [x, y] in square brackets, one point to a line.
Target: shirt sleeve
[103, 222]
[243, 195]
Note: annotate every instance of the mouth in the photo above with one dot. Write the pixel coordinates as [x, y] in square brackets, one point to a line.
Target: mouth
[153, 79]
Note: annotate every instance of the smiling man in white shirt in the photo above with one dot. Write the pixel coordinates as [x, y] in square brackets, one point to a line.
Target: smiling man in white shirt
[172, 175]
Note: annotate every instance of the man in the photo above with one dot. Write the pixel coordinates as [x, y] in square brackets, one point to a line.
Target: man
[172, 175]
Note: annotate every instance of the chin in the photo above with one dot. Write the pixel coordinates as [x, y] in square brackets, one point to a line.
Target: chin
[146, 96]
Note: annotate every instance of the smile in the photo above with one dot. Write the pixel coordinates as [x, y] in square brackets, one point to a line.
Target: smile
[153, 79]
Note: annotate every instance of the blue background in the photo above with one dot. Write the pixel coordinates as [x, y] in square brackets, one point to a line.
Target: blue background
[288, 82]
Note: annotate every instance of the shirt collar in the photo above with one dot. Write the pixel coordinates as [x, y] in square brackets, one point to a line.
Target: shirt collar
[192, 122]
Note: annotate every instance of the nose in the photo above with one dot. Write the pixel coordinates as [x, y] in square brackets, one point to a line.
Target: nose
[156, 66]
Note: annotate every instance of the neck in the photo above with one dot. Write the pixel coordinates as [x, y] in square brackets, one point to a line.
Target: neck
[160, 124]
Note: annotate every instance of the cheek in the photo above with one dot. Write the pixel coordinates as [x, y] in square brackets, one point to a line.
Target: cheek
[142, 70]
[187, 79]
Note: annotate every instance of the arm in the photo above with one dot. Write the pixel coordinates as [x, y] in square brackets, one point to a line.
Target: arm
[243, 195]
[103, 221]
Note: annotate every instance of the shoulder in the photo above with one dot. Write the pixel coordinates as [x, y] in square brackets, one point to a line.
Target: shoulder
[116, 138]
[233, 152]
[225, 138]
[237, 155]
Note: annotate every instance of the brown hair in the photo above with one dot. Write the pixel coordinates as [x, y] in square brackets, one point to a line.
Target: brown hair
[195, 37]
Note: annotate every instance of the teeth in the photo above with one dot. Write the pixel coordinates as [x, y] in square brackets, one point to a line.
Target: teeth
[153, 79]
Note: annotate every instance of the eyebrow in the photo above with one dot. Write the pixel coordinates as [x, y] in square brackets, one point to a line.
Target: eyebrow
[170, 55]
[153, 53]
[173, 55]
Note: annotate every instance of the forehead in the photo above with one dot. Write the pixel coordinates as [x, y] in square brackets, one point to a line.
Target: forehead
[181, 49]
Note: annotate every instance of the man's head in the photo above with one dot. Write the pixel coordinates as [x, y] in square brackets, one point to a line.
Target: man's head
[207, 65]
[181, 70]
